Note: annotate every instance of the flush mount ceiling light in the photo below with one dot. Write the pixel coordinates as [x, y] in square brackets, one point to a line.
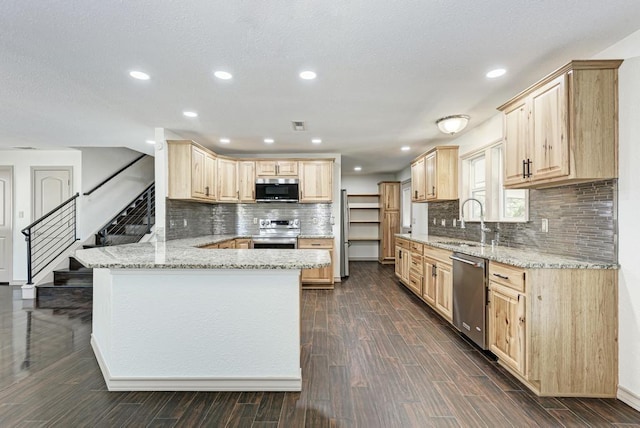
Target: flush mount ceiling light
[224, 75]
[225, 140]
[316, 141]
[308, 75]
[357, 168]
[139, 75]
[151, 142]
[405, 148]
[190, 113]
[452, 124]
[269, 140]
[498, 72]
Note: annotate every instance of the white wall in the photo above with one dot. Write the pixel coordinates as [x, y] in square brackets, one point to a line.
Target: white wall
[628, 208]
[22, 162]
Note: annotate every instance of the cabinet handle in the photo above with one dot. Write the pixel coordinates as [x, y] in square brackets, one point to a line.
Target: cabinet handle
[434, 272]
[524, 166]
[206, 190]
[528, 168]
[416, 195]
[500, 276]
[400, 253]
[433, 190]
[277, 169]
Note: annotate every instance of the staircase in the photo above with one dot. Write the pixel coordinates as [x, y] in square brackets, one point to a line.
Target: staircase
[73, 287]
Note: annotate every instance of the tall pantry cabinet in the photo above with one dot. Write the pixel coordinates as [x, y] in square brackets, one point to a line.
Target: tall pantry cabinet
[389, 219]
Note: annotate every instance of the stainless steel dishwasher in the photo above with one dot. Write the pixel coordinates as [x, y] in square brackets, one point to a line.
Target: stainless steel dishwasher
[470, 297]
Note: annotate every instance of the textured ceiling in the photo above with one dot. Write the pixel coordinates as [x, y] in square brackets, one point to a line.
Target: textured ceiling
[386, 70]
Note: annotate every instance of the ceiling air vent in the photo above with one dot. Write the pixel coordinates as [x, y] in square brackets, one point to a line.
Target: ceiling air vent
[298, 125]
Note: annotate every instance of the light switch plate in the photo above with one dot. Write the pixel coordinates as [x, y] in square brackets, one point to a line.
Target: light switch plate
[443, 222]
[545, 225]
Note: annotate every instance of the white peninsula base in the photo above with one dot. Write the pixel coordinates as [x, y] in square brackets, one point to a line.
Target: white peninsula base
[197, 329]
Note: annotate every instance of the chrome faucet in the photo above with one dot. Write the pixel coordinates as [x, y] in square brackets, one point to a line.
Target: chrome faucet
[483, 228]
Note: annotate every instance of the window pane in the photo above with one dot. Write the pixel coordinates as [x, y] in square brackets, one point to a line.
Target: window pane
[514, 204]
[478, 175]
[406, 207]
[475, 208]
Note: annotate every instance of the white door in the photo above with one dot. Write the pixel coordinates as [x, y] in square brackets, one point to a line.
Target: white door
[51, 187]
[6, 225]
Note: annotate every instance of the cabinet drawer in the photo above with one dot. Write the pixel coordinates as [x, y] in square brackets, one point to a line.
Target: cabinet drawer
[416, 264]
[415, 283]
[403, 243]
[438, 254]
[416, 248]
[509, 276]
[315, 243]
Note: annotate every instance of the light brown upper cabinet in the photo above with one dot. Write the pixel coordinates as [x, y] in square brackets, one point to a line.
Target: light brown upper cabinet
[434, 175]
[389, 213]
[247, 181]
[316, 181]
[277, 168]
[192, 172]
[564, 129]
[228, 180]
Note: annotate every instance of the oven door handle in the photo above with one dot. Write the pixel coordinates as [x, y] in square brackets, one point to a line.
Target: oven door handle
[469, 262]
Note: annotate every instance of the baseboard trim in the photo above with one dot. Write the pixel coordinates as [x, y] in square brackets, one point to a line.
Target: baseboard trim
[628, 397]
[194, 384]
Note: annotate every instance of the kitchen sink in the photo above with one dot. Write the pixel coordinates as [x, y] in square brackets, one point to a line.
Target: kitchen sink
[459, 244]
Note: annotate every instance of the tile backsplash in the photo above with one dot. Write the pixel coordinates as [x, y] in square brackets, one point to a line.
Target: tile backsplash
[224, 219]
[582, 222]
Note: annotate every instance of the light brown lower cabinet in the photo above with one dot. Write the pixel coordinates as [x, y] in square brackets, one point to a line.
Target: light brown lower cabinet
[243, 243]
[556, 329]
[318, 278]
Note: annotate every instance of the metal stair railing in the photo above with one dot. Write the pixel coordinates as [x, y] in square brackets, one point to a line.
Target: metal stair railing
[50, 236]
[128, 222]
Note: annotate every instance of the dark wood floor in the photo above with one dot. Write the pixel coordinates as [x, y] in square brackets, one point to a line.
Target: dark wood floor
[372, 356]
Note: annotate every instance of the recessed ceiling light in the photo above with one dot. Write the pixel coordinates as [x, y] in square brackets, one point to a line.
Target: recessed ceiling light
[357, 168]
[269, 140]
[225, 140]
[405, 148]
[308, 75]
[316, 141]
[151, 141]
[496, 73]
[139, 75]
[224, 75]
[190, 113]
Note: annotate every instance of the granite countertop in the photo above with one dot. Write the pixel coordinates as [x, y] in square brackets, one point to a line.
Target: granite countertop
[185, 254]
[507, 255]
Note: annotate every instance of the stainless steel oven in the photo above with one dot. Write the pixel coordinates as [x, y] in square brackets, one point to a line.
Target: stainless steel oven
[277, 233]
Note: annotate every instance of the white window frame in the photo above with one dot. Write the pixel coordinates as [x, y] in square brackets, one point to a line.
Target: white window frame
[403, 194]
[494, 193]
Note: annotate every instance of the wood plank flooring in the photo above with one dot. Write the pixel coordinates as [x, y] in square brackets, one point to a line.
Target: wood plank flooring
[372, 356]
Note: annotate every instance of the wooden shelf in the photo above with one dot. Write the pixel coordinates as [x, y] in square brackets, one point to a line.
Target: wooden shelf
[364, 207]
[365, 221]
[363, 195]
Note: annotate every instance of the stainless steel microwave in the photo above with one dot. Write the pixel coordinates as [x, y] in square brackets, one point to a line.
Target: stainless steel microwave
[277, 190]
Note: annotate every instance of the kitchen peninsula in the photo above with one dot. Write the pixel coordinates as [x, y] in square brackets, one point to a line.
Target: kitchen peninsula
[175, 316]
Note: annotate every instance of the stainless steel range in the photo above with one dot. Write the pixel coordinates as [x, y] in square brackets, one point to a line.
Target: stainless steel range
[275, 233]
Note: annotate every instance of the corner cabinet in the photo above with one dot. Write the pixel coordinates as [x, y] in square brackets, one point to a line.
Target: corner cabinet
[555, 329]
[318, 278]
[316, 181]
[389, 192]
[434, 175]
[192, 172]
[564, 129]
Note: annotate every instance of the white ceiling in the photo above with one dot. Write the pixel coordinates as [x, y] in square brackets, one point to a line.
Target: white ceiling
[386, 69]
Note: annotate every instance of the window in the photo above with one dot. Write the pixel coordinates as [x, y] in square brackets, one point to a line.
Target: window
[406, 206]
[482, 179]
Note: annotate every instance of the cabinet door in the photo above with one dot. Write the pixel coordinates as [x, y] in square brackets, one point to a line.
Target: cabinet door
[198, 179]
[210, 177]
[323, 275]
[444, 291]
[418, 183]
[507, 326]
[265, 168]
[406, 265]
[550, 154]
[398, 266]
[431, 178]
[390, 226]
[391, 196]
[287, 168]
[316, 181]
[247, 181]
[516, 136]
[243, 243]
[228, 180]
[429, 289]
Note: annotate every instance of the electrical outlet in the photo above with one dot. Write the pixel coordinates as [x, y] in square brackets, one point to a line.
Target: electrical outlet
[20, 214]
[443, 222]
[434, 221]
[455, 222]
[185, 222]
[255, 220]
[545, 225]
